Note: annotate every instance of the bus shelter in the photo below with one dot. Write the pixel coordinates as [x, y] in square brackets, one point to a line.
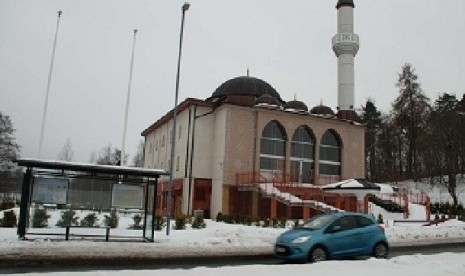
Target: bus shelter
[71, 185]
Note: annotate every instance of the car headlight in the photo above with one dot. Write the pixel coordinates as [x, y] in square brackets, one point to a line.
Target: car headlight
[301, 239]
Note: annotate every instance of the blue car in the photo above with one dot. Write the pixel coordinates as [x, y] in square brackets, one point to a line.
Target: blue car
[333, 236]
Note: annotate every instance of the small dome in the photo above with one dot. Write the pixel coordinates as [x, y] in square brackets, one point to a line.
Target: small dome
[246, 86]
[267, 99]
[297, 105]
[322, 110]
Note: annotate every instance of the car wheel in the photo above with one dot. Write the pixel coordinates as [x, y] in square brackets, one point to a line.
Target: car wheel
[380, 251]
[317, 254]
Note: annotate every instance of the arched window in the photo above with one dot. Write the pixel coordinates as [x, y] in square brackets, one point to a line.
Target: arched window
[272, 147]
[330, 154]
[302, 155]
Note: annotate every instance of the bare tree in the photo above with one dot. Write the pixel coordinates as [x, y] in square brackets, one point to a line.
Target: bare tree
[66, 153]
[138, 160]
[107, 156]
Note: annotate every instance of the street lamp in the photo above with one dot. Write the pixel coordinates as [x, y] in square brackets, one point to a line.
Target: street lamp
[185, 7]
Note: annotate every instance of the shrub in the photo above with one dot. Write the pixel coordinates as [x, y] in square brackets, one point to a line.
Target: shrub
[296, 223]
[68, 218]
[159, 223]
[90, 220]
[282, 222]
[198, 223]
[219, 217]
[112, 219]
[7, 204]
[180, 222]
[9, 219]
[266, 222]
[248, 220]
[40, 218]
[228, 219]
[137, 220]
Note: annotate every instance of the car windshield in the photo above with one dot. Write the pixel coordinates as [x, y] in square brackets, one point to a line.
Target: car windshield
[317, 222]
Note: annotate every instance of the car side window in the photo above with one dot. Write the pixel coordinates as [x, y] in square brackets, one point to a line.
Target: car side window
[346, 223]
[363, 221]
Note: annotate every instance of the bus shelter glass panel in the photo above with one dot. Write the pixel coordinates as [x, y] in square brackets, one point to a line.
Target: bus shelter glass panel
[149, 213]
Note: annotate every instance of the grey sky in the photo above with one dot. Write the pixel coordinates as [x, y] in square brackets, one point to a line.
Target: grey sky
[286, 43]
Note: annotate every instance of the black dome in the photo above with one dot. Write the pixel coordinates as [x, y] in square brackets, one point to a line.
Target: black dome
[297, 105]
[345, 3]
[322, 110]
[267, 99]
[246, 86]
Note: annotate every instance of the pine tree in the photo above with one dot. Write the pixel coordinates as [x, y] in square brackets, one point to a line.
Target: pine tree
[371, 117]
[410, 111]
[9, 150]
[445, 120]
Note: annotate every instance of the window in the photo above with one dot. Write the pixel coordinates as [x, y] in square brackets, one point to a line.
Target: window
[302, 155]
[272, 147]
[163, 141]
[362, 221]
[177, 163]
[346, 223]
[179, 132]
[330, 154]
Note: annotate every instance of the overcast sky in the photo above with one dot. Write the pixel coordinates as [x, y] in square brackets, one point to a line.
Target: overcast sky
[286, 43]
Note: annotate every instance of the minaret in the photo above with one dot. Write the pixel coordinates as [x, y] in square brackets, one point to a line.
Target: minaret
[345, 46]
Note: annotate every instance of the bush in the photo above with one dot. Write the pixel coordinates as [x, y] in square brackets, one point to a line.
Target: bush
[228, 219]
[198, 223]
[7, 204]
[180, 222]
[219, 217]
[40, 218]
[159, 223]
[9, 219]
[68, 218]
[112, 219]
[137, 220]
[282, 222]
[266, 222]
[90, 220]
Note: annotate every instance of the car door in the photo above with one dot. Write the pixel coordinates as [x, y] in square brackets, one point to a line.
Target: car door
[343, 236]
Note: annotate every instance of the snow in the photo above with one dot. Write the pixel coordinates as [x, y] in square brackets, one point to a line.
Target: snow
[221, 239]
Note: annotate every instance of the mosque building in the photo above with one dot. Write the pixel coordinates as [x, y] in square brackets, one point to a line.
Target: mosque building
[245, 150]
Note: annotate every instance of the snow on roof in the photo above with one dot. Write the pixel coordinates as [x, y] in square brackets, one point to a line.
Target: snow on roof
[360, 184]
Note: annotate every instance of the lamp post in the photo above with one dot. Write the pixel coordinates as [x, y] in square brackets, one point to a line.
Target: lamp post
[185, 7]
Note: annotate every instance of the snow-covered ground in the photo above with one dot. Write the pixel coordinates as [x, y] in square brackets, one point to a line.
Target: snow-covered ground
[225, 239]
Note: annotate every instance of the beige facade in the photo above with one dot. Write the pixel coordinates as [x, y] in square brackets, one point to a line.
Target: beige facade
[218, 142]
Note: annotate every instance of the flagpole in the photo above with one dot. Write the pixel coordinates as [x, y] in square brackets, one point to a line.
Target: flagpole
[49, 82]
[128, 100]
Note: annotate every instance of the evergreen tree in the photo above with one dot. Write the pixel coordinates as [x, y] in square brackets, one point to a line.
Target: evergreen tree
[410, 111]
[9, 150]
[446, 137]
[371, 117]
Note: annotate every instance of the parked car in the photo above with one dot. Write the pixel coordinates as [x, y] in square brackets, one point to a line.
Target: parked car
[333, 236]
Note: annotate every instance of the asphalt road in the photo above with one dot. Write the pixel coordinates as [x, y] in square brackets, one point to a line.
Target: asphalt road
[138, 264]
